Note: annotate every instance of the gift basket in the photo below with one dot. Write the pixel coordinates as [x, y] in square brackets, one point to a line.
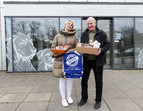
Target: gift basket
[59, 49]
[88, 48]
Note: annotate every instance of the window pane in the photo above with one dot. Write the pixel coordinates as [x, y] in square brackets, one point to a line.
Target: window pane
[77, 25]
[32, 40]
[123, 43]
[138, 43]
[8, 45]
[106, 27]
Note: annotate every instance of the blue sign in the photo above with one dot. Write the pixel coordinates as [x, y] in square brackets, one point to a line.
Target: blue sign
[73, 65]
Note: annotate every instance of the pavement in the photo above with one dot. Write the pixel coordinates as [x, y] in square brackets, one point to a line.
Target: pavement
[122, 91]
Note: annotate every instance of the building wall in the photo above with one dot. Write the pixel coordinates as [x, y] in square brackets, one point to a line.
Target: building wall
[76, 0]
[2, 39]
[31, 10]
[72, 9]
[0, 36]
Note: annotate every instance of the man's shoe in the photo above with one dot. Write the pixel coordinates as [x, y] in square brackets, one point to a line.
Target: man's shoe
[97, 105]
[82, 102]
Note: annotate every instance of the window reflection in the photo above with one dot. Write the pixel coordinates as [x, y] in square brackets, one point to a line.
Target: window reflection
[106, 27]
[8, 45]
[123, 43]
[32, 40]
[138, 43]
[29, 49]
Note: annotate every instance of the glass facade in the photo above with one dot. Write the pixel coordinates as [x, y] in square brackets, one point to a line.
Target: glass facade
[28, 42]
[105, 25]
[29, 39]
[123, 43]
[9, 45]
[138, 43]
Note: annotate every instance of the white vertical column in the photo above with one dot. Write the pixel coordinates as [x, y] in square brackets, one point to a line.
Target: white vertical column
[2, 38]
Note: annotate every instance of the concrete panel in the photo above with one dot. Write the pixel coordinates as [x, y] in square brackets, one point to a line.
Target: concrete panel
[34, 106]
[37, 97]
[73, 9]
[2, 38]
[8, 107]
[12, 98]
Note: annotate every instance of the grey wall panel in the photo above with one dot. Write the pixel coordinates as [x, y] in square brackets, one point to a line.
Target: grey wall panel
[73, 10]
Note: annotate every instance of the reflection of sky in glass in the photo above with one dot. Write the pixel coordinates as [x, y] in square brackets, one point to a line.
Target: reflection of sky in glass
[8, 28]
[119, 23]
[77, 22]
[9, 45]
[43, 21]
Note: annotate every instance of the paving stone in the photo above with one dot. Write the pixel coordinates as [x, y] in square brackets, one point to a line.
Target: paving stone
[1, 95]
[46, 82]
[55, 97]
[20, 89]
[139, 102]
[122, 105]
[114, 94]
[57, 106]
[139, 84]
[125, 85]
[38, 97]
[5, 89]
[8, 107]
[109, 85]
[133, 93]
[42, 89]
[28, 83]
[12, 98]
[33, 106]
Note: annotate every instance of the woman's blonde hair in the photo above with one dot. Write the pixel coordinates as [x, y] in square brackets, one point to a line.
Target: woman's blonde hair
[67, 22]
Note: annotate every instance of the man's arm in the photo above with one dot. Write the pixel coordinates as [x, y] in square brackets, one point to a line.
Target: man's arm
[106, 44]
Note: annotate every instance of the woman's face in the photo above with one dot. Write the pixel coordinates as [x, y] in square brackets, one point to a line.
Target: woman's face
[68, 26]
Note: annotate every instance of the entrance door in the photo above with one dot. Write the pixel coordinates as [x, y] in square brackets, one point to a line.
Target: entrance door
[104, 24]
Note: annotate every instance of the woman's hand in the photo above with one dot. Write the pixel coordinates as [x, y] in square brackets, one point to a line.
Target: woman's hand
[55, 55]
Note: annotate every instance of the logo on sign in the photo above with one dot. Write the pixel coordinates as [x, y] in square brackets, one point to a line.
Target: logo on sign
[72, 60]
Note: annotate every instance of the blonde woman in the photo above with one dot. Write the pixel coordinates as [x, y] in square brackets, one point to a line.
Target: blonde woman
[67, 37]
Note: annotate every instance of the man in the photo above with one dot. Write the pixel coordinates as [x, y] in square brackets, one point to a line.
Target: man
[95, 62]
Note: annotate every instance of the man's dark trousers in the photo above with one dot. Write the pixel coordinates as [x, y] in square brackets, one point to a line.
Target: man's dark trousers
[98, 76]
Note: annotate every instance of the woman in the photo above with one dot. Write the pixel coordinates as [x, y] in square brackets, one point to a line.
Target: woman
[65, 37]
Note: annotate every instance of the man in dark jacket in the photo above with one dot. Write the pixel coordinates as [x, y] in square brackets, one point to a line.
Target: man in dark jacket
[95, 62]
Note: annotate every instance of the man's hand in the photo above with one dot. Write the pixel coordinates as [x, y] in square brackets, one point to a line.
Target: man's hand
[99, 51]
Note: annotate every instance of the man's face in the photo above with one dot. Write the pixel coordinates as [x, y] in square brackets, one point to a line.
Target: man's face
[91, 24]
